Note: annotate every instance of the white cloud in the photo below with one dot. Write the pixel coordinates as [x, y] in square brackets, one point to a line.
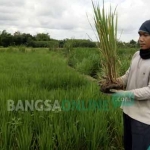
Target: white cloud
[67, 19]
[132, 13]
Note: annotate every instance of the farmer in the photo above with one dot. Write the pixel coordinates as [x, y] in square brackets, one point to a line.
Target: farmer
[136, 117]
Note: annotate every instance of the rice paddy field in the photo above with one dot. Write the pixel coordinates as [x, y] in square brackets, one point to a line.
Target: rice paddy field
[71, 113]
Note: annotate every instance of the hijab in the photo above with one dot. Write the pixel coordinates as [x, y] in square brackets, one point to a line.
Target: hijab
[145, 27]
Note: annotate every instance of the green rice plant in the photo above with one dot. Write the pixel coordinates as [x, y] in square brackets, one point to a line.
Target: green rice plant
[24, 134]
[2, 49]
[9, 131]
[45, 75]
[45, 138]
[22, 49]
[32, 49]
[85, 60]
[106, 27]
[85, 66]
[89, 66]
[6, 137]
[68, 47]
[10, 49]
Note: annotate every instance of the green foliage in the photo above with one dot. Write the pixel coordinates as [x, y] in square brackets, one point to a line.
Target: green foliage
[61, 43]
[85, 60]
[42, 37]
[89, 66]
[79, 43]
[6, 39]
[22, 49]
[48, 44]
[22, 39]
[10, 49]
[32, 50]
[125, 55]
[68, 47]
[53, 45]
[42, 40]
[3, 49]
[45, 75]
[133, 42]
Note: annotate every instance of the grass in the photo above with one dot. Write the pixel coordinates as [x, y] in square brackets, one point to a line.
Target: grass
[85, 60]
[44, 75]
[88, 60]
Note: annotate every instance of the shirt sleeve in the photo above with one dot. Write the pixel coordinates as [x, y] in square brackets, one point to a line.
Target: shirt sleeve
[142, 93]
[139, 93]
[123, 79]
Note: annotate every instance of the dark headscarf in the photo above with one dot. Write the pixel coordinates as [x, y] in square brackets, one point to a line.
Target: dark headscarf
[145, 27]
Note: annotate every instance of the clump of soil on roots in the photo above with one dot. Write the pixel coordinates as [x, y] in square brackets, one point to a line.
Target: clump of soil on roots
[106, 86]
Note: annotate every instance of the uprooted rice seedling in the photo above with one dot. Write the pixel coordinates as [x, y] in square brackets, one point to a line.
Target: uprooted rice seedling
[106, 27]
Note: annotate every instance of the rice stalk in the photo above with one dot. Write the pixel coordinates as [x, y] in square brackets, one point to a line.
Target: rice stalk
[106, 27]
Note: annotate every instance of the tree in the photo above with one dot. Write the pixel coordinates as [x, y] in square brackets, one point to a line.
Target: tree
[6, 39]
[27, 38]
[42, 37]
[132, 42]
[22, 39]
[17, 38]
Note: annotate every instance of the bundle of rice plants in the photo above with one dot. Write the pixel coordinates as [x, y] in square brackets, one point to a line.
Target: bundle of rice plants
[106, 28]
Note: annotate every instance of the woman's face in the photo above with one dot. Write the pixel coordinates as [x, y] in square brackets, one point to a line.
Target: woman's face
[144, 40]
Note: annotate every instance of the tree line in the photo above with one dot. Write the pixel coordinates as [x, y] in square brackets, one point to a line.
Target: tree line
[44, 40]
[40, 40]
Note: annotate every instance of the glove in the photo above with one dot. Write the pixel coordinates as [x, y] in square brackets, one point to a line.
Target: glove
[123, 98]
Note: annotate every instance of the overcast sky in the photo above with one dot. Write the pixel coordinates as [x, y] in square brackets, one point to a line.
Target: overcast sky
[68, 18]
